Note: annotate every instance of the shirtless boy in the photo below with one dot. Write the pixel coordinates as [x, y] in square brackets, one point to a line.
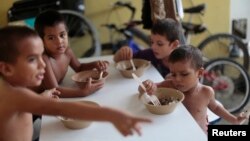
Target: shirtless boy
[22, 66]
[58, 56]
[186, 68]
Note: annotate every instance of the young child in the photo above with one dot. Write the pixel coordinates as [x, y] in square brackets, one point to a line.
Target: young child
[22, 66]
[164, 39]
[51, 27]
[186, 68]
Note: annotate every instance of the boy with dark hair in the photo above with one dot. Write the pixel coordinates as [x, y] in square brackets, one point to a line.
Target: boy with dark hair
[22, 66]
[186, 68]
[58, 56]
[164, 39]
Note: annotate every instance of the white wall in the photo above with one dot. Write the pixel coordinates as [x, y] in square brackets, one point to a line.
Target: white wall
[240, 9]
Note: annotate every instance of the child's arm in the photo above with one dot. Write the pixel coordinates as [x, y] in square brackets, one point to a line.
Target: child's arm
[219, 110]
[50, 82]
[52, 93]
[99, 65]
[77, 66]
[124, 53]
[89, 89]
[124, 122]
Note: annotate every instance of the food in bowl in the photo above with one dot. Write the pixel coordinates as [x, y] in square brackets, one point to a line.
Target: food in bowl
[81, 78]
[76, 123]
[126, 69]
[169, 99]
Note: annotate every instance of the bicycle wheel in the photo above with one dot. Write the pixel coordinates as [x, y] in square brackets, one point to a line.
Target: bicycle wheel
[83, 36]
[225, 45]
[230, 82]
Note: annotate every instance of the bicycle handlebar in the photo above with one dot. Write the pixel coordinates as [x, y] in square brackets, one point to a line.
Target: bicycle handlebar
[196, 9]
[125, 32]
[127, 5]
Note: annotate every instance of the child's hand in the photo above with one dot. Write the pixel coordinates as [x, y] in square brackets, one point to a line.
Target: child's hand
[126, 124]
[101, 65]
[125, 53]
[92, 87]
[243, 116]
[168, 76]
[51, 93]
[150, 87]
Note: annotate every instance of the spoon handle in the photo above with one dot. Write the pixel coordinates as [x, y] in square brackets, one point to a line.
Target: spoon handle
[133, 65]
[100, 77]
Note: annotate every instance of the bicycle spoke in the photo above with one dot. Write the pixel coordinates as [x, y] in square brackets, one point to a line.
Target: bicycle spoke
[230, 82]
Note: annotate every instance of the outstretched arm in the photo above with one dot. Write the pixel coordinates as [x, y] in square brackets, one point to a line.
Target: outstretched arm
[124, 122]
[219, 110]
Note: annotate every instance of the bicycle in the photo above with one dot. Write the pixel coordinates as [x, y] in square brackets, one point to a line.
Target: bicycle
[81, 31]
[228, 45]
[230, 82]
[128, 33]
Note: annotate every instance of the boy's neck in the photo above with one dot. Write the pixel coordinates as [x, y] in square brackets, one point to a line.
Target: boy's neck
[194, 90]
[8, 83]
[54, 56]
[165, 62]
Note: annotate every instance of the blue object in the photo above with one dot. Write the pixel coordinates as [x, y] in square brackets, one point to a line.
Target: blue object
[30, 22]
[135, 47]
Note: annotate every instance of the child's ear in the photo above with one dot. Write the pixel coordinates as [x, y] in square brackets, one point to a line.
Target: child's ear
[200, 72]
[175, 44]
[5, 69]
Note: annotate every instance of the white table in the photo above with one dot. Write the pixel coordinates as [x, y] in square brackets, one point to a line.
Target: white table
[121, 93]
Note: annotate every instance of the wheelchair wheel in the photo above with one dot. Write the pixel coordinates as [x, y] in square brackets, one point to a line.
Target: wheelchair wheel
[226, 45]
[230, 82]
[83, 36]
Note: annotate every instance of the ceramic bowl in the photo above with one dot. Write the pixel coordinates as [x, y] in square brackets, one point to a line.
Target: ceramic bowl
[75, 123]
[169, 99]
[81, 78]
[125, 67]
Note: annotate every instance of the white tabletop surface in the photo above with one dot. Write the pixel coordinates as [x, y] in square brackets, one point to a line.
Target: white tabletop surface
[121, 93]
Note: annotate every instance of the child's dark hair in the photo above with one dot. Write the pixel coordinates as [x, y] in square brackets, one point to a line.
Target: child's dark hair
[10, 37]
[168, 28]
[187, 53]
[48, 18]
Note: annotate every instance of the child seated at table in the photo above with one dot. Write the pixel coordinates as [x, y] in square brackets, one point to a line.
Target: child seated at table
[22, 66]
[186, 68]
[58, 56]
[164, 39]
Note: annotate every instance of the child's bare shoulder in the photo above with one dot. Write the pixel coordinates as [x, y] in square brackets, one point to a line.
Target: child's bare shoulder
[69, 53]
[207, 90]
[12, 95]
